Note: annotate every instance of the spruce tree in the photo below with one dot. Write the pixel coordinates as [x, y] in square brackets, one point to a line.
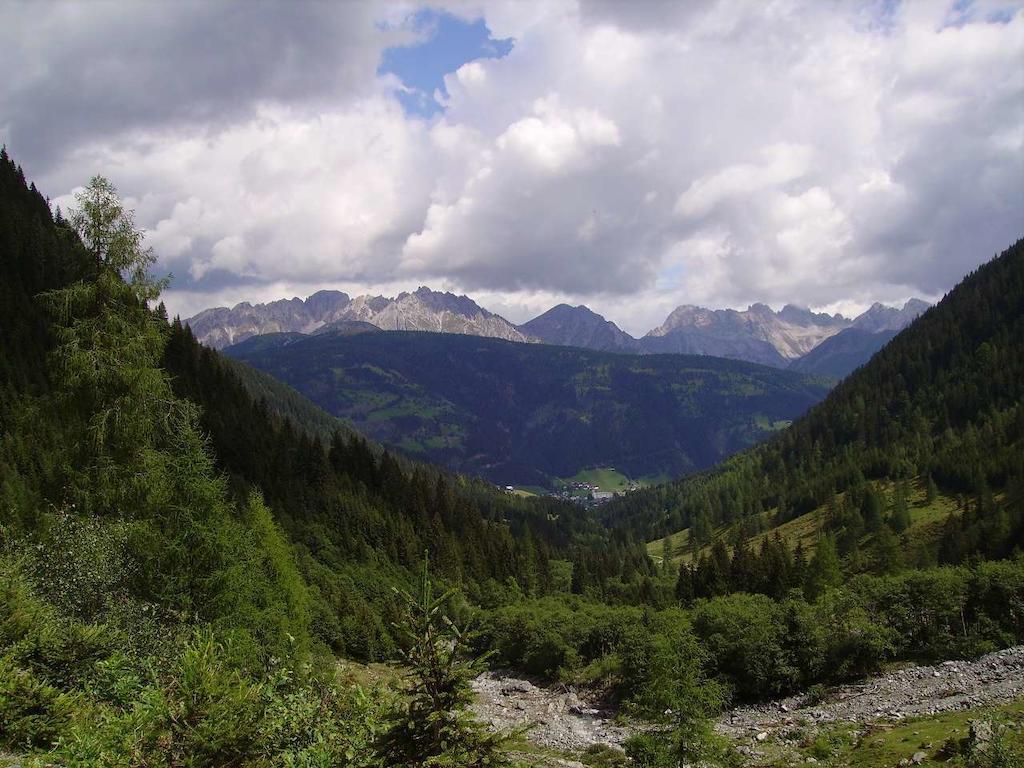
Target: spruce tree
[823, 571]
[435, 728]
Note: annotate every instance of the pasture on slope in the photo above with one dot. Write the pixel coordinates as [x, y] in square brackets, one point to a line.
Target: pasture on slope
[926, 518]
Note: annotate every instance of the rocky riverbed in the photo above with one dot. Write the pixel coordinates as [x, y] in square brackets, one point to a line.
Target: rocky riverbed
[910, 692]
[568, 720]
[558, 717]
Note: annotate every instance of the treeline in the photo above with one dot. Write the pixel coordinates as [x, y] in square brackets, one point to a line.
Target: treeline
[862, 532]
[760, 648]
[943, 401]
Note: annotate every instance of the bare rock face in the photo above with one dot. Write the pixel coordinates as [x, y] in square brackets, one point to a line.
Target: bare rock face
[427, 310]
[758, 334]
[761, 335]
[422, 310]
[221, 327]
[880, 318]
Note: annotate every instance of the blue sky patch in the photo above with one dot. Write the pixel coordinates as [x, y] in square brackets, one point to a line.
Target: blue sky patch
[448, 43]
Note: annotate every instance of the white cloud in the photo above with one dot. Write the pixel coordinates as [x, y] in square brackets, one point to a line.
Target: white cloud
[782, 163]
[633, 156]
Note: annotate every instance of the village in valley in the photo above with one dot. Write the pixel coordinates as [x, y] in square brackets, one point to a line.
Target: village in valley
[588, 488]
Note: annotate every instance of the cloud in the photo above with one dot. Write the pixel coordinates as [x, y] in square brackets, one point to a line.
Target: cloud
[782, 163]
[633, 156]
[79, 70]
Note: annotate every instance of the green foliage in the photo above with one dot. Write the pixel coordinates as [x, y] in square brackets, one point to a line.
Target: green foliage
[649, 750]
[143, 518]
[33, 714]
[603, 756]
[754, 647]
[824, 570]
[435, 728]
[691, 743]
[662, 666]
[944, 400]
[203, 714]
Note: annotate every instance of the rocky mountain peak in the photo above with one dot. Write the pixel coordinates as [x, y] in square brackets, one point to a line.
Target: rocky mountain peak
[879, 317]
[793, 313]
[578, 327]
[421, 310]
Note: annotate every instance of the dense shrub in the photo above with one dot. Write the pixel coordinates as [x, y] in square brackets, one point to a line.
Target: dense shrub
[33, 714]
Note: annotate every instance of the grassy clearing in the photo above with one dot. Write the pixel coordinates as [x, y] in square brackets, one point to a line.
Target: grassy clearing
[611, 479]
[763, 422]
[606, 479]
[889, 745]
[884, 744]
[527, 491]
[926, 520]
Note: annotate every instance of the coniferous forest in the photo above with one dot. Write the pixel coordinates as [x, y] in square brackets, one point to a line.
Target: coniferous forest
[187, 550]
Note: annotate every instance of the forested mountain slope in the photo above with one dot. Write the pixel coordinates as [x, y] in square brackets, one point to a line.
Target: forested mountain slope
[942, 403]
[363, 520]
[527, 413]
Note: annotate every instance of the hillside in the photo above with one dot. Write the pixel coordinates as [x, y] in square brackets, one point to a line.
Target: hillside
[525, 414]
[361, 519]
[840, 355]
[939, 408]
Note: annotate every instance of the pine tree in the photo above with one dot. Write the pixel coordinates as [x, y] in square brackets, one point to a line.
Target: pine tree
[135, 451]
[900, 517]
[823, 571]
[435, 728]
[666, 554]
[108, 355]
[684, 585]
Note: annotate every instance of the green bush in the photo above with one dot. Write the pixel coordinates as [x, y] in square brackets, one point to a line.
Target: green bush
[746, 639]
[33, 714]
[603, 756]
[204, 713]
[650, 750]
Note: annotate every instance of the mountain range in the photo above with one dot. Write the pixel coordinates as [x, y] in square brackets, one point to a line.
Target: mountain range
[421, 310]
[758, 334]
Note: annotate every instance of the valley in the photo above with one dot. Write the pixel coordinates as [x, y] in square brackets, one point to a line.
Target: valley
[381, 532]
[524, 415]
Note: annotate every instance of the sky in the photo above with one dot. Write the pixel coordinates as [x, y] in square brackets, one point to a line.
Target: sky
[630, 156]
